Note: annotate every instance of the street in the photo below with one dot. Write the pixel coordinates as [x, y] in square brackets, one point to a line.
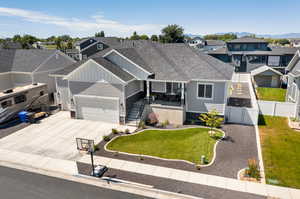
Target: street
[20, 184]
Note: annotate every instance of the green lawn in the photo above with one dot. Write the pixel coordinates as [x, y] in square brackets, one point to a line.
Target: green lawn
[281, 151]
[50, 47]
[271, 94]
[184, 144]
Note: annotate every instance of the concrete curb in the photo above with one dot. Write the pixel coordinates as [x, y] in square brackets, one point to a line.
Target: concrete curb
[259, 151]
[130, 188]
[154, 157]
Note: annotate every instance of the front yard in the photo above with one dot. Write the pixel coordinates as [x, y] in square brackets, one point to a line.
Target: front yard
[281, 151]
[271, 94]
[183, 144]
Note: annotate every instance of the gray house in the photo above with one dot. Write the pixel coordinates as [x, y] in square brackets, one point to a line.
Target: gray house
[293, 86]
[23, 67]
[178, 82]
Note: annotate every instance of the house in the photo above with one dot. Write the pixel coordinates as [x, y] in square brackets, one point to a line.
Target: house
[211, 45]
[266, 76]
[22, 67]
[178, 82]
[89, 46]
[196, 42]
[247, 54]
[292, 94]
[295, 42]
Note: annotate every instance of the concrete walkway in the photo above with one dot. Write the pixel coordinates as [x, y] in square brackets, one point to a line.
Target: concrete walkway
[197, 178]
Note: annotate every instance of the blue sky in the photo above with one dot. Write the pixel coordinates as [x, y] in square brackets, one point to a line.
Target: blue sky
[121, 18]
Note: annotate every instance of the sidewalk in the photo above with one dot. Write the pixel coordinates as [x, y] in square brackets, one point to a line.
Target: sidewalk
[39, 162]
[197, 178]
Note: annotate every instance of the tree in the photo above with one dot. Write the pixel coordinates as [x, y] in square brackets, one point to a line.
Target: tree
[172, 34]
[211, 119]
[154, 38]
[144, 37]
[100, 34]
[135, 36]
[223, 37]
[69, 44]
[58, 43]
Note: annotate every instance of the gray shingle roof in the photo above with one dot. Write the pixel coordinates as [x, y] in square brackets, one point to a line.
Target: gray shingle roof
[214, 43]
[179, 62]
[125, 76]
[247, 40]
[68, 69]
[28, 60]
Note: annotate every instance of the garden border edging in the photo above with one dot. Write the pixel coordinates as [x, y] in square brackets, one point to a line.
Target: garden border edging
[154, 157]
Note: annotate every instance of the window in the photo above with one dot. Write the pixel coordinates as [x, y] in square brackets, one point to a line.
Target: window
[100, 46]
[205, 91]
[6, 103]
[173, 88]
[41, 93]
[19, 99]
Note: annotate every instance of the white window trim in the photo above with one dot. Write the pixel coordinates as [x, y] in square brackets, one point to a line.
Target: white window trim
[212, 92]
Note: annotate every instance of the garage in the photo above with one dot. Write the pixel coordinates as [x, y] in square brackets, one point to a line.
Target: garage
[97, 108]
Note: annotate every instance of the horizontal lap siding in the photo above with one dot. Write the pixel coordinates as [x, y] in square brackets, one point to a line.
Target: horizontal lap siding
[159, 87]
[194, 104]
[5, 82]
[20, 79]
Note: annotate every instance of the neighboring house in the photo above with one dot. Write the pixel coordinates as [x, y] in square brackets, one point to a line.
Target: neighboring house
[88, 47]
[292, 94]
[295, 42]
[211, 45]
[24, 67]
[247, 54]
[196, 42]
[266, 76]
[178, 81]
[10, 45]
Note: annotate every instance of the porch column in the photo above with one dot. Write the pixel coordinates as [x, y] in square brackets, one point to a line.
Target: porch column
[148, 90]
[182, 93]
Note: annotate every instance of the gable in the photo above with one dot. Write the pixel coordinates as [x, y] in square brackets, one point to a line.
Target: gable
[90, 71]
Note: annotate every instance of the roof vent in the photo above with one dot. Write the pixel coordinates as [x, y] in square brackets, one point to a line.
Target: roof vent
[8, 91]
[35, 83]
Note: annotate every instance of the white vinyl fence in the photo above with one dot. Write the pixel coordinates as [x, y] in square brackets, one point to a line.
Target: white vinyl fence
[273, 108]
[241, 115]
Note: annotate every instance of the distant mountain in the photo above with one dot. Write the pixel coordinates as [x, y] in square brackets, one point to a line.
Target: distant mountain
[275, 36]
[243, 34]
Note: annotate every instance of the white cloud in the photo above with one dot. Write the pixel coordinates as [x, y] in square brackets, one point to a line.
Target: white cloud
[96, 23]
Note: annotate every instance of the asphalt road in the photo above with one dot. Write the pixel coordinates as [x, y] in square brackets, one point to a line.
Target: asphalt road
[20, 184]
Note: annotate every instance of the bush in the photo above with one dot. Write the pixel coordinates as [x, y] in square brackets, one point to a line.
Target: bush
[142, 125]
[152, 119]
[106, 138]
[96, 147]
[114, 131]
[127, 131]
[164, 124]
[253, 169]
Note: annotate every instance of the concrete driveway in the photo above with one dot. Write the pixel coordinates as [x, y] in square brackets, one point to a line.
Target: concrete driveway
[55, 136]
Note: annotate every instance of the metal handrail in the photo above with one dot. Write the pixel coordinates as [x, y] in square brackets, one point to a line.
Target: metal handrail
[141, 109]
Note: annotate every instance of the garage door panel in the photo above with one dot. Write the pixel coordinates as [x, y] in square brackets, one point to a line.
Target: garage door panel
[97, 108]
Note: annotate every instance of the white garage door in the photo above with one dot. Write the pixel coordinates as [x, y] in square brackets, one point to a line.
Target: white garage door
[97, 108]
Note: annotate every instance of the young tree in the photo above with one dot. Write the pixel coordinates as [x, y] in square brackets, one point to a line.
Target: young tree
[100, 34]
[135, 36]
[69, 44]
[211, 119]
[154, 38]
[144, 37]
[172, 34]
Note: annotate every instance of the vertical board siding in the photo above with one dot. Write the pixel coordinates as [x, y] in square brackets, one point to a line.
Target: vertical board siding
[20, 79]
[92, 72]
[63, 90]
[159, 87]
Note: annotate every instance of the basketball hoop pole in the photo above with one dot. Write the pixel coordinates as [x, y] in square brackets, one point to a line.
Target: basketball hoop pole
[92, 160]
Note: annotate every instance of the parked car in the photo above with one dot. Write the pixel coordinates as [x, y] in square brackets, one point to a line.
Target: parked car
[99, 170]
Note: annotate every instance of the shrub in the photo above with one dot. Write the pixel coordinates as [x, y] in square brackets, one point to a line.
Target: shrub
[114, 131]
[152, 118]
[106, 138]
[167, 122]
[253, 169]
[142, 125]
[127, 131]
[96, 147]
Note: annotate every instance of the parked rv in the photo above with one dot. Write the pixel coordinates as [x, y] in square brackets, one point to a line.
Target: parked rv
[30, 97]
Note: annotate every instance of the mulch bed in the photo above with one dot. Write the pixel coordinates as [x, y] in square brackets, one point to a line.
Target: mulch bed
[146, 160]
